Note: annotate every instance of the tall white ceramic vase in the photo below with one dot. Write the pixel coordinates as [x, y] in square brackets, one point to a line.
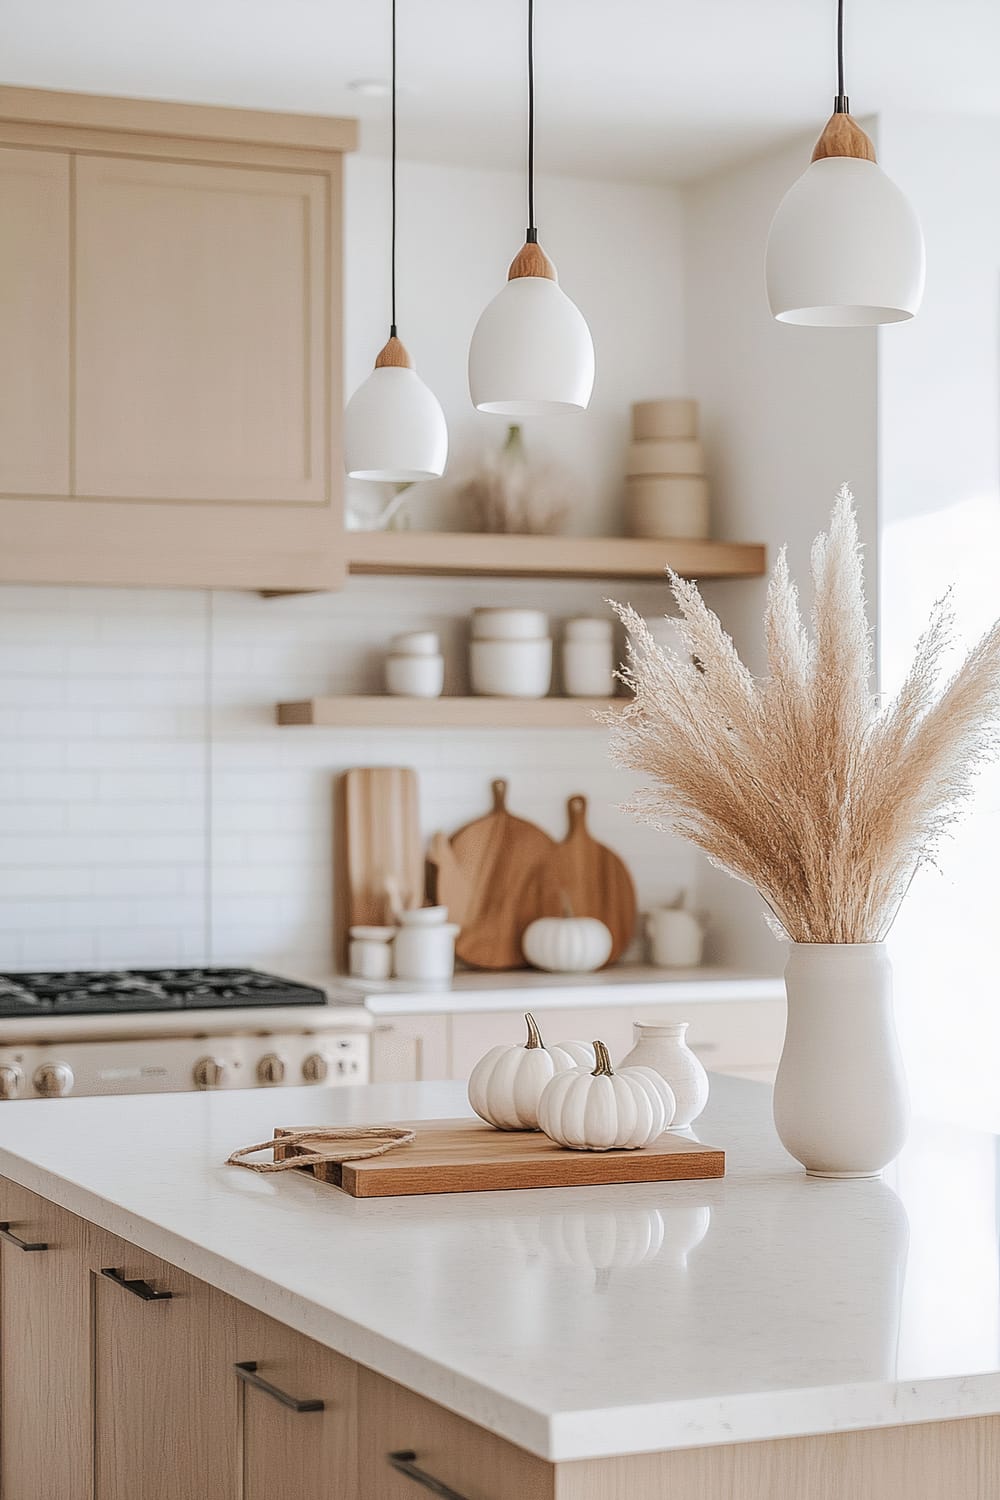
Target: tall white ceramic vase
[840, 1098]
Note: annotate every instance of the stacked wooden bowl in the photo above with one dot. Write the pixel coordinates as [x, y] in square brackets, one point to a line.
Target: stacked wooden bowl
[666, 492]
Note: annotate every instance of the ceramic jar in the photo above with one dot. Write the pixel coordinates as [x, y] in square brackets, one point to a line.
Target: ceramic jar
[588, 658]
[369, 953]
[425, 944]
[840, 1099]
[510, 653]
[414, 667]
[676, 937]
[664, 1049]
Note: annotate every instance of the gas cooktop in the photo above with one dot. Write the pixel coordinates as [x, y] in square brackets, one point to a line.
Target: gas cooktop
[113, 991]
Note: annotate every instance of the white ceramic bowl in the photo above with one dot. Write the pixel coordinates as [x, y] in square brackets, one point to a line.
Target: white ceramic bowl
[415, 643]
[509, 624]
[415, 676]
[511, 669]
[589, 628]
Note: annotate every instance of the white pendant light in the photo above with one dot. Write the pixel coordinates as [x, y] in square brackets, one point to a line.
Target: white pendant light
[531, 352]
[845, 248]
[394, 428]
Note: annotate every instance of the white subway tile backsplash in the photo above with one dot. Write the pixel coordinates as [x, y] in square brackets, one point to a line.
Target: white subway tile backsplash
[151, 811]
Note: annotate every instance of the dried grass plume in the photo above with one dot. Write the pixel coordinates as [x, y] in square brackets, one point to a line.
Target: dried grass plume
[802, 783]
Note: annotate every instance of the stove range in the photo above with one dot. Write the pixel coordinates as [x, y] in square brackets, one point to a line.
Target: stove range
[110, 992]
[154, 1031]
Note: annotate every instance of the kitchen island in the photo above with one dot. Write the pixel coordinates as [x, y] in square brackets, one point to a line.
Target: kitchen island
[766, 1336]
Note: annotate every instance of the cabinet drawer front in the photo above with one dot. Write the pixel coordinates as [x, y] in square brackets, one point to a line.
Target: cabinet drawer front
[166, 1404]
[34, 322]
[299, 1414]
[440, 1447]
[45, 1361]
[203, 358]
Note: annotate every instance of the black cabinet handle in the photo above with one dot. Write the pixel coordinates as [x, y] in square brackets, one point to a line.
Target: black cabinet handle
[247, 1371]
[405, 1462]
[6, 1233]
[140, 1289]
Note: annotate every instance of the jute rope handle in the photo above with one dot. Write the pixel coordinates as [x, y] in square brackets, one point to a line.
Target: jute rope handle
[391, 1136]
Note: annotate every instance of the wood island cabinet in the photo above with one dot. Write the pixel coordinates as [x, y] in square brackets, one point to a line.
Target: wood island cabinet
[170, 344]
[195, 1396]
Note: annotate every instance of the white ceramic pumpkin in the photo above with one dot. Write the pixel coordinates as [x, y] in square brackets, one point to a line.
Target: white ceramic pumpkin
[582, 1053]
[604, 1110]
[507, 1083]
[567, 945]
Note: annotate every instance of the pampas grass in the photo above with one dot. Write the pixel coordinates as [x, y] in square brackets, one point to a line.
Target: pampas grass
[802, 784]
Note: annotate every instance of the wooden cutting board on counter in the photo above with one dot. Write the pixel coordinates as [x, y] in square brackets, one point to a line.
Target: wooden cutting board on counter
[466, 1156]
[493, 876]
[593, 879]
[378, 845]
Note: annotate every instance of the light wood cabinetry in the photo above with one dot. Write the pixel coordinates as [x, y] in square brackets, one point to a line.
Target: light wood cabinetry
[197, 1397]
[404, 1441]
[34, 322]
[170, 334]
[298, 1414]
[165, 1401]
[410, 1049]
[45, 1372]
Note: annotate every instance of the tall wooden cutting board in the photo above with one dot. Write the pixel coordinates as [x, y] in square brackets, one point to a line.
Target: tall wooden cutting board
[378, 843]
[492, 876]
[594, 880]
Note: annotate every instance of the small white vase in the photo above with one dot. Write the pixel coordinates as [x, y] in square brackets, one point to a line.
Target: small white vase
[664, 1049]
[840, 1098]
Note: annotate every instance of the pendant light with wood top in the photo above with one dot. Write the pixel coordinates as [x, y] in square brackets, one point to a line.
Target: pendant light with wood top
[845, 248]
[394, 428]
[531, 352]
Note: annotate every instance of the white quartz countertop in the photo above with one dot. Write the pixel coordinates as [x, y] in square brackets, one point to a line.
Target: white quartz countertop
[577, 1322]
[625, 984]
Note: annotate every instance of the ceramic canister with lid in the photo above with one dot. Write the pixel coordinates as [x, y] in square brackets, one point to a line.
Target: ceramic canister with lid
[369, 954]
[588, 658]
[664, 1049]
[425, 944]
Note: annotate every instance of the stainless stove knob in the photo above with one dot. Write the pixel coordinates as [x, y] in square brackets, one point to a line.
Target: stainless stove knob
[271, 1069]
[209, 1073]
[11, 1079]
[315, 1068]
[54, 1080]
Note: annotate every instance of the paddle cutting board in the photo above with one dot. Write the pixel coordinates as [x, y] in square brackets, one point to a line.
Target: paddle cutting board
[492, 876]
[466, 1156]
[594, 880]
[378, 843]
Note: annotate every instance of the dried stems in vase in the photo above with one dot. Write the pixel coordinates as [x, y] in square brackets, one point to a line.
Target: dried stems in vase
[802, 783]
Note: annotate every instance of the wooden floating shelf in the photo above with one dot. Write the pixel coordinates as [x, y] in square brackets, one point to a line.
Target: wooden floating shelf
[502, 556]
[391, 712]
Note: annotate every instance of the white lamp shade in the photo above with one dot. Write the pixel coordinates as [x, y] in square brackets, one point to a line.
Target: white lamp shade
[531, 352]
[845, 248]
[394, 429]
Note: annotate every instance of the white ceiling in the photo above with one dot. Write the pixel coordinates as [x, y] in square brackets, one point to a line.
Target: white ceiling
[654, 90]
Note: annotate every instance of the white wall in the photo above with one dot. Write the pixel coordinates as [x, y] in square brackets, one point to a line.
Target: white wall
[939, 438]
[789, 414]
[618, 249]
[150, 811]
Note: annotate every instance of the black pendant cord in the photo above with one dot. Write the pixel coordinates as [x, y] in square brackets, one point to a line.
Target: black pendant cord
[841, 105]
[392, 325]
[532, 236]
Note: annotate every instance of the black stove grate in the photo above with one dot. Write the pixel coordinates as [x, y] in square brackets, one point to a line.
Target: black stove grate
[116, 991]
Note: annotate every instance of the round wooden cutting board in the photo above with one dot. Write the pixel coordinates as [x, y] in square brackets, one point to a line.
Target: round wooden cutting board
[495, 877]
[594, 880]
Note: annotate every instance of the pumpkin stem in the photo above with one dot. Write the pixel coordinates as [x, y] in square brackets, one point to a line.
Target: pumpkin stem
[604, 1068]
[534, 1035]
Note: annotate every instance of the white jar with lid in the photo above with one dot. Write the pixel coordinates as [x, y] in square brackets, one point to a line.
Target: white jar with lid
[425, 949]
[588, 658]
[369, 954]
